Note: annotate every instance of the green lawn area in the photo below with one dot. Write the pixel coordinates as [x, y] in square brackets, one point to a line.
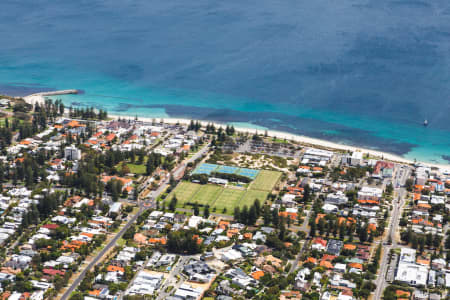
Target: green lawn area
[137, 169]
[218, 197]
[121, 242]
[207, 194]
[184, 191]
[250, 197]
[228, 199]
[265, 181]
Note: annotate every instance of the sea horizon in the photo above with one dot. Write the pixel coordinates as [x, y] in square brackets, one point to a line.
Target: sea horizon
[283, 67]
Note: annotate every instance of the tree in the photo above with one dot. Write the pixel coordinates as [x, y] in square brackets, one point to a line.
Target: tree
[437, 241]
[182, 241]
[306, 193]
[267, 216]
[363, 234]
[196, 209]
[275, 217]
[312, 231]
[76, 296]
[389, 189]
[257, 205]
[173, 203]
[244, 215]
[237, 214]
[252, 216]
[321, 226]
[124, 169]
[409, 184]
[206, 212]
[86, 283]
[429, 239]
[342, 231]
[129, 234]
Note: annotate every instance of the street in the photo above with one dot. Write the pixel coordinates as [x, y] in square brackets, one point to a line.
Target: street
[112, 243]
[142, 208]
[398, 182]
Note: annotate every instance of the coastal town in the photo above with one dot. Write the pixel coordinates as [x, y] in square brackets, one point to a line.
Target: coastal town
[100, 207]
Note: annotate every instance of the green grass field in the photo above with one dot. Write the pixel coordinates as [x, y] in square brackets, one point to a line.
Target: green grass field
[265, 181]
[184, 192]
[250, 197]
[229, 199]
[207, 194]
[220, 198]
[137, 169]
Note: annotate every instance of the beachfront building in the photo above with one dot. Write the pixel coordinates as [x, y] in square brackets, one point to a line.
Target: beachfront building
[355, 159]
[317, 157]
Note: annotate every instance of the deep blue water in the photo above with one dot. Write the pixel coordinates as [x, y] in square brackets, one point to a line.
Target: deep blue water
[361, 72]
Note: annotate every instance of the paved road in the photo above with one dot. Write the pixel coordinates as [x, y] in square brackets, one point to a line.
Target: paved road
[299, 255]
[399, 180]
[111, 243]
[172, 278]
[304, 228]
[381, 279]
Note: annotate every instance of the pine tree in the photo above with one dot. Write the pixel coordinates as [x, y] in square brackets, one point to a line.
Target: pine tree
[257, 205]
[206, 212]
[196, 209]
[312, 231]
[173, 203]
[252, 216]
[244, 215]
[267, 216]
[237, 214]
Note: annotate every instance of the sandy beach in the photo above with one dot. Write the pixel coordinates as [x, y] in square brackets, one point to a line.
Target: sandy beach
[304, 140]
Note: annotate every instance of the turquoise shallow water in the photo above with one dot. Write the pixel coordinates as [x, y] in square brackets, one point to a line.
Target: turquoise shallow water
[364, 73]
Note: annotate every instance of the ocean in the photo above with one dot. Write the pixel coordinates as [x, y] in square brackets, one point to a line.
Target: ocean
[360, 72]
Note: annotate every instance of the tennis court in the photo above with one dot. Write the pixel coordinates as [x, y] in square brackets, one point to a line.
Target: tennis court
[250, 173]
[205, 169]
[227, 169]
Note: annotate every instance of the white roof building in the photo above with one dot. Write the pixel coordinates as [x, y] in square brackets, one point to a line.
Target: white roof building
[370, 193]
[408, 271]
[145, 283]
[186, 291]
[330, 208]
[194, 221]
[337, 198]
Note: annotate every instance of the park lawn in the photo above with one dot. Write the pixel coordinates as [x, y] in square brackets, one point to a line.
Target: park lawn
[250, 197]
[265, 181]
[184, 192]
[229, 199]
[137, 169]
[207, 194]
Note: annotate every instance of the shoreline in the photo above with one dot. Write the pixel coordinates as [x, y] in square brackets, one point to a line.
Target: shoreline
[304, 140]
